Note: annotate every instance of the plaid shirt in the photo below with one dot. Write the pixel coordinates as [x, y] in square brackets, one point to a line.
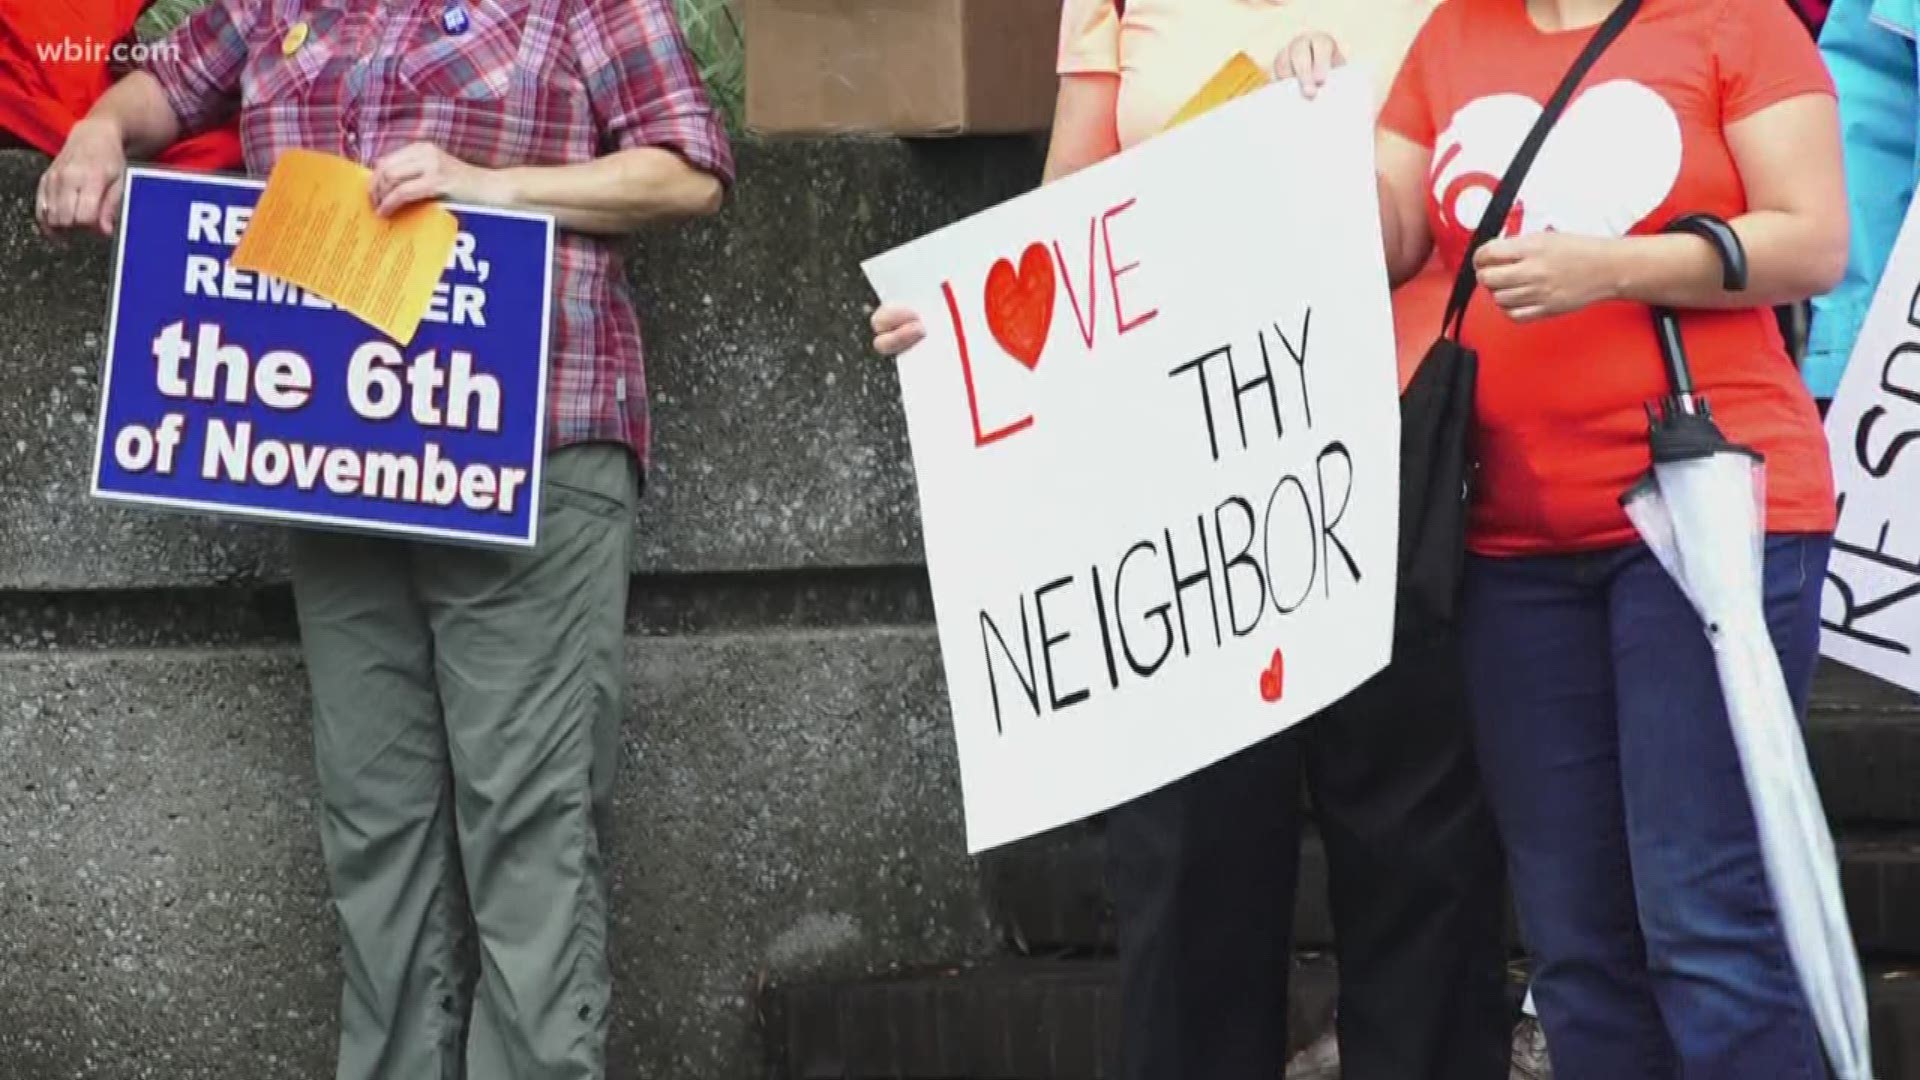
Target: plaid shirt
[525, 82]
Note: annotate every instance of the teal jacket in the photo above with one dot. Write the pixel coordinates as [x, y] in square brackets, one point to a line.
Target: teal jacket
[1869, 46]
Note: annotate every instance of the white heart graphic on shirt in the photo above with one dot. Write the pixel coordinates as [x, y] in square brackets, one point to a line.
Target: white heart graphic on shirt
[1611, 160]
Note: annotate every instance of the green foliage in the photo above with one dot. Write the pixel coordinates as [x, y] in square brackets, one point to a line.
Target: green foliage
[711, 27]
[719, 44]
[164, 15]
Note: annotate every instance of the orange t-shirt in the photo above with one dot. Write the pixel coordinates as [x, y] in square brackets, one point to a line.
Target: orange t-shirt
[1562, 428]
[1165, 50]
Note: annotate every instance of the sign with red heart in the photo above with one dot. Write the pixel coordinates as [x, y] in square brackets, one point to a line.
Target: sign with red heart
[1155, 425]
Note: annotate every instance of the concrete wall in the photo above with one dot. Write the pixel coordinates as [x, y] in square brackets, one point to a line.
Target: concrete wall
[787, 807]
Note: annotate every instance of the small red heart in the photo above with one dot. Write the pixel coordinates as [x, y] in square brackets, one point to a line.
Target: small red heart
[1273, 681]
[1020, 304]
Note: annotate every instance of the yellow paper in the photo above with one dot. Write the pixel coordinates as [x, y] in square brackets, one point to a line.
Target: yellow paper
[316, 227]
[1240, 77]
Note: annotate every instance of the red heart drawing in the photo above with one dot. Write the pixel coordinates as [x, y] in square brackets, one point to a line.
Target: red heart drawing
[1020, 304]
[1273, 681]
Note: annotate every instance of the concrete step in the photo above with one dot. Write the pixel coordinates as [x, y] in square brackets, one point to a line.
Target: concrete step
[1004, 1019]
[1863, 738]
[1048, 895]
[1056, 1020]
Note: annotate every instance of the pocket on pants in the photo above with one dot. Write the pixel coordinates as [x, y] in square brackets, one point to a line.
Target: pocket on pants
[599, 479]
[568, 496]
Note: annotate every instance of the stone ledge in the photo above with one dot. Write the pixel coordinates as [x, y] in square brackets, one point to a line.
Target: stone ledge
[787, 809]
[657, 604]
[779, 441]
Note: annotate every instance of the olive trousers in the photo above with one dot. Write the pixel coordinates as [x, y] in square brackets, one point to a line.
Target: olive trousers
[467, 708]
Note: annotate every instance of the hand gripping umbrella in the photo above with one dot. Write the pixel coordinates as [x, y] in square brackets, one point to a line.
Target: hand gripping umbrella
[1702, 510]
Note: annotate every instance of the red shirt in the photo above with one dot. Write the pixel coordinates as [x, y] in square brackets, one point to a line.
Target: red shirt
[526, 82]
[1562, 430]
[57, 58]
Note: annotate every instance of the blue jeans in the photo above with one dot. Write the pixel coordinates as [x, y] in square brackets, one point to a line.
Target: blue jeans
[1612, 773]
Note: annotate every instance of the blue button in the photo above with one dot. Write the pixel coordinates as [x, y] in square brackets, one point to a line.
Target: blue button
[454, 19]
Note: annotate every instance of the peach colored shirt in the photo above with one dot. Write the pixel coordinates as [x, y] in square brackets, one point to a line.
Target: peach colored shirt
[1165, 50]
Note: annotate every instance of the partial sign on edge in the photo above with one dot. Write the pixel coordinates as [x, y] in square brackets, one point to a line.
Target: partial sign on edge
[1870, 607]
[1155, 427]
[231, 393]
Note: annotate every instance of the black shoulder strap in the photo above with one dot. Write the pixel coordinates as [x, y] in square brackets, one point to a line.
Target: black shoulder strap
[1495, 217]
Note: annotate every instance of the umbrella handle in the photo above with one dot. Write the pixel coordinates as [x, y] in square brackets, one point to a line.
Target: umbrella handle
[1666, 324]
[1726, 244]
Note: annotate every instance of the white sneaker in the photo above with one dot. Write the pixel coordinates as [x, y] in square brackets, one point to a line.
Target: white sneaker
[1319, 1061]
[1530, 1051]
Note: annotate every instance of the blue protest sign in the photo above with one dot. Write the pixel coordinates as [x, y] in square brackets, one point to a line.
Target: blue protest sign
[228, 392]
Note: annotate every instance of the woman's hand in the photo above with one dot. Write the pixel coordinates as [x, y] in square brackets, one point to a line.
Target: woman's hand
[424, 171]
[896, 329]
[81, 189]
[1310, 58]
[1547, 274]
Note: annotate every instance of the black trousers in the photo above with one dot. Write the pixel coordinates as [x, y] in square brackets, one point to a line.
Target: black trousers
[1204, 874]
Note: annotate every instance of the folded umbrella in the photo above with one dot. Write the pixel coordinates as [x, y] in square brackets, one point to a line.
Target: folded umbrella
[1702, 511]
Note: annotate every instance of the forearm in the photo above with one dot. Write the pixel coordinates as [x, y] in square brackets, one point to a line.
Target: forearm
[614, 194]
[1070, 152]
[1406, 245]
[1790, 257]
[136, 110]
[1059, 165]
[1085, 124]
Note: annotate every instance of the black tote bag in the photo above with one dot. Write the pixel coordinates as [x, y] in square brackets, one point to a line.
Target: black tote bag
[1436, 409]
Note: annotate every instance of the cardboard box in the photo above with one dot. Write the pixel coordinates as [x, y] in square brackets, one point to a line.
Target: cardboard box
[901, 67]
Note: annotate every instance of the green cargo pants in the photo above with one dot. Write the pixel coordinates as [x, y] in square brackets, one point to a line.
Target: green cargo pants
[467, 709]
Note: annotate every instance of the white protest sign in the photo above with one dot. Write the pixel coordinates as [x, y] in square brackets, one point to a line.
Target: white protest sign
[1156, 431]
[1870, 608]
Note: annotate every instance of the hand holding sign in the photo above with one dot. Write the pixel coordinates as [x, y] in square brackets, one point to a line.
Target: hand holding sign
[896, 329]
[422, 172]
[81, 189]
[1311, 58]
[316, 227]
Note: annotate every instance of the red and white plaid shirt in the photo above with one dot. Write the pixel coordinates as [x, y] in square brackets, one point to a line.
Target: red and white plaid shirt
[496, 83]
